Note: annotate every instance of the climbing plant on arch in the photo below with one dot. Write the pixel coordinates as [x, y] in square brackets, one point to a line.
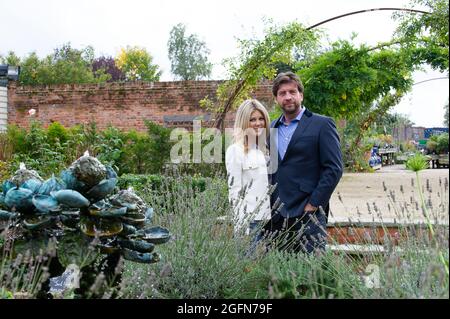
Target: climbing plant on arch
[344, 80]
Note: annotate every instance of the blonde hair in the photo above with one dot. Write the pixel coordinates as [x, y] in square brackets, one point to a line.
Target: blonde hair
[242, 122]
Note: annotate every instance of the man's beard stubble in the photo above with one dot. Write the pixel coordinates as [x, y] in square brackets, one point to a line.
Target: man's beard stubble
[293, 111]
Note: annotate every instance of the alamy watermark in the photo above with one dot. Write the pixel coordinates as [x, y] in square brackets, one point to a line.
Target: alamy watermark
[212, 152]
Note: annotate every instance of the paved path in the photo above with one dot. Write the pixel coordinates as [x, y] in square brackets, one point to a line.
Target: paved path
[362, 195]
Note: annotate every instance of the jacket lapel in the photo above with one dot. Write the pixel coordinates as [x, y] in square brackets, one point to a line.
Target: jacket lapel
[301, 127]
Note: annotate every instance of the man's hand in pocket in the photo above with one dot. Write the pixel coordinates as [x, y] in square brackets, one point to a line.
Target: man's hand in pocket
[310, 208]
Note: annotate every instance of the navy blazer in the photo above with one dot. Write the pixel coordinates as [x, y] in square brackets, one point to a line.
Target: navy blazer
[311, 167]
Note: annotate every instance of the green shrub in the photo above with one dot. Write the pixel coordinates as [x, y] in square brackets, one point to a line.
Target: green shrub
[110, 146]
[155, 182]
[431, 146]
[17, 138]
[442, 143]
[5, 147]
[32, 148]
[56, 132]
[138, 154]
[160, 145]
[4, 171]
[51, 149]
[407, 147]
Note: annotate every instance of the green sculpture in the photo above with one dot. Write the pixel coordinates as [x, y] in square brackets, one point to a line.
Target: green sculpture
[84, 213]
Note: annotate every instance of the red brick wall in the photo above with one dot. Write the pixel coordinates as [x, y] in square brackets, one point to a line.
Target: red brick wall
[123, 105]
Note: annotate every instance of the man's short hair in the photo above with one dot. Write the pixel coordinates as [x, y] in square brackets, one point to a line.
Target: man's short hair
[286, 77]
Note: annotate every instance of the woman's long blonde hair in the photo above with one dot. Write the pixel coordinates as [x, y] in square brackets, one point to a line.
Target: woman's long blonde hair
[242, 123]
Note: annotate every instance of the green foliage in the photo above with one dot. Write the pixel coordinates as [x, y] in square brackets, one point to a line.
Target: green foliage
[431, 146]
[5, 147]
[360, 127]
[11, 59]
[438, 143]
[33, 71]
[203, 261]
[160, 145]
[68, 65]
[275, 113]
[110, 146]
[52, 149]
[205, 141]
[345, 80]
[426, 35]
[207, 261]
[140, 182]
[417, 163]
[388, 121]
[407, 147]
[281, 275]
[434, 138]
[257, 61]
[137, 151]
[6, 294]
[4, 171]
[136, 64]
[57, 133]
[16, 138]
[442, 143]
[188, 55]
[73, 66]
[36, 151]
[356, 161]
[65, 65]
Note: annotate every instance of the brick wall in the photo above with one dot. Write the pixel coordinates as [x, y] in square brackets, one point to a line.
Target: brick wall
[123, 105]
[3, 108]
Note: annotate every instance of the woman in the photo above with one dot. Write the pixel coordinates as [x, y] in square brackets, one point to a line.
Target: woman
[246, 164]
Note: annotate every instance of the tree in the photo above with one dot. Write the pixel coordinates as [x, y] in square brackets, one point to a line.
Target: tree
[136, 64]
[386, 123]
[65, 65]
[70, 65]
[442, 143]
[427, 34]
[257, 61]
[188, 55]
[108, 65]
[31, 70]
[347, 80]
[11, 59]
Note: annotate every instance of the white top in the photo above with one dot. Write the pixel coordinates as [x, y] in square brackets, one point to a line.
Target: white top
[247, 184]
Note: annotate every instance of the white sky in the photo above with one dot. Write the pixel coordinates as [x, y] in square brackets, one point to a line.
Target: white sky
[108, 25]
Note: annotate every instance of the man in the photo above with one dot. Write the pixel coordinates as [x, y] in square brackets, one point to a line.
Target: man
[309, 168]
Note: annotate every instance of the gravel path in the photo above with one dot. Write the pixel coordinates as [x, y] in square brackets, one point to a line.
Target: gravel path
[356, 191]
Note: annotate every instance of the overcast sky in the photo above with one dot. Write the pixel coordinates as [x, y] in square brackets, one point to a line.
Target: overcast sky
[108, 25]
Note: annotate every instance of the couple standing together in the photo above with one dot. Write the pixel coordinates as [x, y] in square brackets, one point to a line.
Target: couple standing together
[280, 183]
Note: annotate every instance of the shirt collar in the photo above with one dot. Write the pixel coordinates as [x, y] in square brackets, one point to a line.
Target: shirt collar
[297, 118]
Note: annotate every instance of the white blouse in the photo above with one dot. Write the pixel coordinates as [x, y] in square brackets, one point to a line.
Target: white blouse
[247, 184]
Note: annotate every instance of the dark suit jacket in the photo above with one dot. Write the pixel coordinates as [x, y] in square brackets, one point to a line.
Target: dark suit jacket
[311, 167]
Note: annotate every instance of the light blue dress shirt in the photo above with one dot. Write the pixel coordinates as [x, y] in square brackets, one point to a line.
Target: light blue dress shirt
[285, 132]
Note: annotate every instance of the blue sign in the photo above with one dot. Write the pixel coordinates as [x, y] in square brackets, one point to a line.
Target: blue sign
[429, 132]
